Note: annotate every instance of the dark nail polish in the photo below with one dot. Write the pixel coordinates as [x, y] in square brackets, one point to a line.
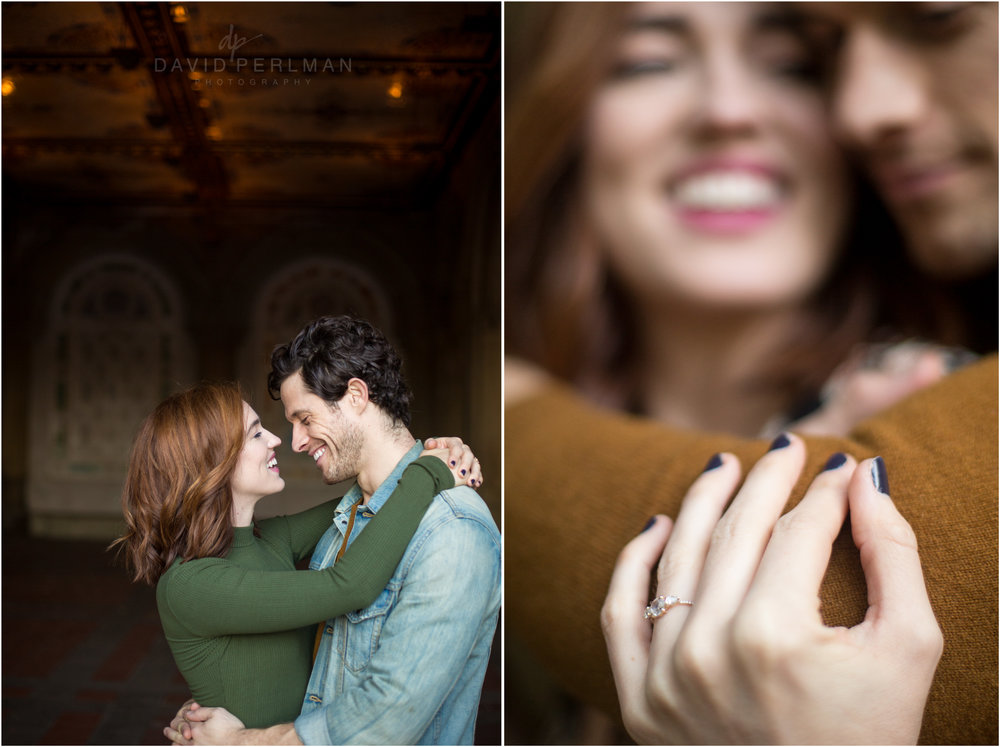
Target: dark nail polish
[452, 462]
[779, 443]
[463, 472]
[648, 524]
[837, 460]
[880, 478]
[714, 463]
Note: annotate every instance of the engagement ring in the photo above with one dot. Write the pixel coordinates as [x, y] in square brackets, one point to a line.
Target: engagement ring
[661, 604]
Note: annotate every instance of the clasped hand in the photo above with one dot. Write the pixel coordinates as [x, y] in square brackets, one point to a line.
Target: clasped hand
[195, 724]
[751, 661]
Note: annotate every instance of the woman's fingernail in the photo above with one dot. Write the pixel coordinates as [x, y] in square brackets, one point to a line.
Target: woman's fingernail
[880, 478]
[463, 471]
[780, 442]
[648, 524]
[837, 460]
[452, 462]
[714, 463]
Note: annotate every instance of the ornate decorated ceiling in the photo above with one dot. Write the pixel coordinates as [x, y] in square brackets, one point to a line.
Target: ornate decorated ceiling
[270, 104]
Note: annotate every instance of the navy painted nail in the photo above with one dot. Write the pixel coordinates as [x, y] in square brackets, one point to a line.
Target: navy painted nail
[463, 472]
[779, 443]
[648, 524]
[714, 463]
[452, 462]
[880, 478]
[836, 460]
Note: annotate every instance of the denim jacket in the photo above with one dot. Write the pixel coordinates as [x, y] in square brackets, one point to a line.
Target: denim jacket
[409, 668]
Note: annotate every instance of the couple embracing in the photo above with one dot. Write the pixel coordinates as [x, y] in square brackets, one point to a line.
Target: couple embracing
[386, 638]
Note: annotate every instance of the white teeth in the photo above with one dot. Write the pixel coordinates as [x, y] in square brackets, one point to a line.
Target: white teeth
[318, 453]
[727, 190]
[272, 462]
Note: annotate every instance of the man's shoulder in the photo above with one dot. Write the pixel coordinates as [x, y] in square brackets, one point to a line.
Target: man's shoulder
[463, 502]
[461, 506]
[459, 538]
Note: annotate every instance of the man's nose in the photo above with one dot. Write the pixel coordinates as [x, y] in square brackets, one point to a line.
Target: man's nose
[880, 89]
[300, 439]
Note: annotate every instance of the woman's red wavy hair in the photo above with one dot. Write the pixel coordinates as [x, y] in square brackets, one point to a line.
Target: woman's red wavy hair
[177, 498]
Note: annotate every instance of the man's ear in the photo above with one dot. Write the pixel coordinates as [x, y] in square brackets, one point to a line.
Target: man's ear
[356, 396]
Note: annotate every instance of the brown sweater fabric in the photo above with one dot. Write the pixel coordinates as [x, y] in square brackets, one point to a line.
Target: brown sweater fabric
[580, 482]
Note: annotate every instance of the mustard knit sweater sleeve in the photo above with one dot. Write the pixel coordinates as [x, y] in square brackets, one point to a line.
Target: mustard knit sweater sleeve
[580, 482]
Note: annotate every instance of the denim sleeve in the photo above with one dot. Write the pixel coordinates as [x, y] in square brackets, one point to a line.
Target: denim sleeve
[450, 588]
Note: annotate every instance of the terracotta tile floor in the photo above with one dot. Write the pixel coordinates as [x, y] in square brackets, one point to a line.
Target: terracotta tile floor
[84, 660]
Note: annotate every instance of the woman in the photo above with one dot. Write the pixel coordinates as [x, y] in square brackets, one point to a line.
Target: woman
[680, 243]
[239, 619]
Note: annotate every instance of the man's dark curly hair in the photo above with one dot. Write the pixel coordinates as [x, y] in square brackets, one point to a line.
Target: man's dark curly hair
[332, 350]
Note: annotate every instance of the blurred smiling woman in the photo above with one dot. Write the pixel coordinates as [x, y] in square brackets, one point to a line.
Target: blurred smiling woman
[685, 238]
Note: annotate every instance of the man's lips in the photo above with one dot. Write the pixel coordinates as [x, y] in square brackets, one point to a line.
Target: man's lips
[908, 182]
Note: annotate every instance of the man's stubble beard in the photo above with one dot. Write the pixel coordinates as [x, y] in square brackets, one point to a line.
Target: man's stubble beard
[954, 245]
[348, 461]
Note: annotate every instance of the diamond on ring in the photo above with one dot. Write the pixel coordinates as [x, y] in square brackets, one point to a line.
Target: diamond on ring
[661, 604]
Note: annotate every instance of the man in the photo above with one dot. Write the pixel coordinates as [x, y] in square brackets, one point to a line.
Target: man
[916, 100]
[408, 669]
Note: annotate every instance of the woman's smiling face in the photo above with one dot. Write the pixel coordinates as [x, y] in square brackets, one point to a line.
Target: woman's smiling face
[257, 471]
[710, 175]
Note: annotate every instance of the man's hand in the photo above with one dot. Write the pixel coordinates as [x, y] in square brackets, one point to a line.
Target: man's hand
[213, 726]
[179, 732]
[198, 725]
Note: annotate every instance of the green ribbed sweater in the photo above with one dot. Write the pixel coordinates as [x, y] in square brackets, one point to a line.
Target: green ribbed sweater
[241, 628]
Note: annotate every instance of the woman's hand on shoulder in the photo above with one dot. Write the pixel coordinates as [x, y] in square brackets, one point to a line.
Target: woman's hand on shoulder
[521, 380]
[746, 658]
[876, 378]
[458, 456]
